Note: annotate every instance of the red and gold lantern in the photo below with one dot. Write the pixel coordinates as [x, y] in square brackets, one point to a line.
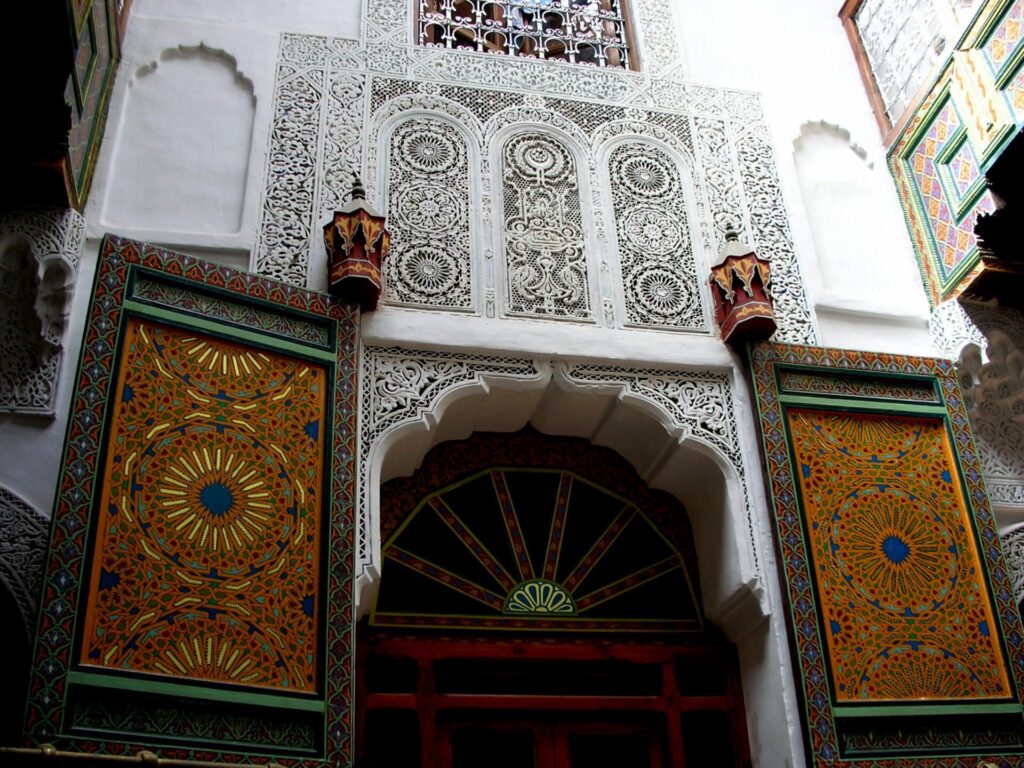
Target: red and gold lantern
[740, 284]
[357, 241]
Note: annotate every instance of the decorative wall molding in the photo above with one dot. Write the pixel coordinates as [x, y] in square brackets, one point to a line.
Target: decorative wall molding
[24, 534]
[987, 341]
[335, 99]
[1013, 550]
[403, 387]
[39, 253]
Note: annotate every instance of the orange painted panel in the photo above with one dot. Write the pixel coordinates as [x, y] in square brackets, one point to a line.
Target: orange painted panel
[207, 538]
[904, 605]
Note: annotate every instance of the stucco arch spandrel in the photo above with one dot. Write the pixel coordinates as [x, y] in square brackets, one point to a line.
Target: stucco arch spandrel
[677, 428]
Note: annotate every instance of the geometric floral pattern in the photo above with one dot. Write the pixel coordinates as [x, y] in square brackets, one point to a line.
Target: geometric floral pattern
[56, 694]
[869, 498]
[1006, 37]
[206, 556]
[907, 615]
[938, 170]
[953, 237]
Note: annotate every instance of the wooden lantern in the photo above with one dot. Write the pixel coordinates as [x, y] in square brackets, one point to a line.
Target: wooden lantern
[740, 285]
[357, 241]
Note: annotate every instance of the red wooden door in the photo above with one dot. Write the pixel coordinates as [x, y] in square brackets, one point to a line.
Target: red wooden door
[513, 742]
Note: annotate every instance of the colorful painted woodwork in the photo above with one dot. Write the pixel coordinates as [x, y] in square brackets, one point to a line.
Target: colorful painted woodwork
[206, 559]
[527, 532]
[940, 157]
[357, 241]
[740, 285]
[198, 591]
[907, 641]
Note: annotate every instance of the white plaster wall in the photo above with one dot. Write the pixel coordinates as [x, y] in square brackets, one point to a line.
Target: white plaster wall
[130, 174]
[796, 54]
[334, 18]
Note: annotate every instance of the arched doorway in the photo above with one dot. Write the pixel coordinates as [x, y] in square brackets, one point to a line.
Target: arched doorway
[539, 607]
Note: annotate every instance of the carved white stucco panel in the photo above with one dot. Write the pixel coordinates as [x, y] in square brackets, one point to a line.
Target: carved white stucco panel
[39, 252]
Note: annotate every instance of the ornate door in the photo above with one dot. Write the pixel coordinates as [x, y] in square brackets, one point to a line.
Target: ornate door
[538, 608]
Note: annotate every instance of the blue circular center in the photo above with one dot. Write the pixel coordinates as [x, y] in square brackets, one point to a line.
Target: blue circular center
[216, 498]
[895, 549]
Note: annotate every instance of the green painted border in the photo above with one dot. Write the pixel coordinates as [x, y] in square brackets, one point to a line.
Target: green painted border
[81, 178]
[853, 374]
[248, 696]
[139, 272]
[926, 709]
[224, 330]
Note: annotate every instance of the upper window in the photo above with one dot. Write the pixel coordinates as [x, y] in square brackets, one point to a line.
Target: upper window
[898, 43]
[577, 31]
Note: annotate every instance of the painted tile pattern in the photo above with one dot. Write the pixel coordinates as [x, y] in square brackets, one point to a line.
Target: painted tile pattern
[1006, 37]
[940, 216]
[208, 540]
[65, 569]
[905, 611]
[963, 170]
[953, 239]
[1015, 93]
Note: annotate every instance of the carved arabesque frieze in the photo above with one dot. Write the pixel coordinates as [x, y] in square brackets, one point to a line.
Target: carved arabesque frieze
[330, 90]
[24, 534]
[39, 252]
[284, 236]
[700, 403]
[400, 387]
[723, 191]
[1012, 542]
[988, 343]
[659, 273]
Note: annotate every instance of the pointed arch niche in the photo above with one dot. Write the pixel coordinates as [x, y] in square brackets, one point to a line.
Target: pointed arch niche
[181, 159]
[567, 591]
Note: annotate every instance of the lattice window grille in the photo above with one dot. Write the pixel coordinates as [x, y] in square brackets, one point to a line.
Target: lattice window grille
[658, 267]
[429, 190]
[546, 273]
[575, 31]
[904, 40]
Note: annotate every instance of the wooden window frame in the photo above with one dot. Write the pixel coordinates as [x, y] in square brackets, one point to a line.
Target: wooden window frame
[889, 130]
[632, 48]
[428, 703]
